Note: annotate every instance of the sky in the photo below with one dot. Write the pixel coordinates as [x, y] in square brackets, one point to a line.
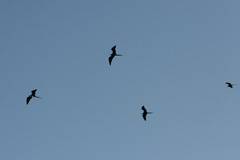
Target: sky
[177, 55]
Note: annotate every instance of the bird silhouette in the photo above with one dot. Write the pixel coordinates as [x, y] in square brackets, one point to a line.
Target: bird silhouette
[230, 85]
[145, 113]
[33, 94]
[114, 53]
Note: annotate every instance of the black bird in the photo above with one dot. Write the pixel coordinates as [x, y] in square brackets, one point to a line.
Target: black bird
[33, 94]
[230, 85]
[145, 112]
[114, 53]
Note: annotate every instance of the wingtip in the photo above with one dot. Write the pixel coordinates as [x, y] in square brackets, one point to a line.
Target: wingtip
[114, 48]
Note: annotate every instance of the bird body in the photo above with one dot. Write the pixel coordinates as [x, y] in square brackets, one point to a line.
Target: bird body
[114, 53]
[145, 113]
[34, 93]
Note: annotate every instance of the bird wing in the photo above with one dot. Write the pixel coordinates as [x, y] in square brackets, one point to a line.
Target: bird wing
[113, 49]
[34, 91]
[28, 99]
[110, 59]
[144, 109]
[144, 117]
[229, 84]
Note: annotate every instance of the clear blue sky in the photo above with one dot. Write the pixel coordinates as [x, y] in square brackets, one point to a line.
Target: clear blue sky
[177, 56]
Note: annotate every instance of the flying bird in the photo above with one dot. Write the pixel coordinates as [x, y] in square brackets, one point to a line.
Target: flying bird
[33, 94]
[145, 112]
[230, 85]
[114, 53]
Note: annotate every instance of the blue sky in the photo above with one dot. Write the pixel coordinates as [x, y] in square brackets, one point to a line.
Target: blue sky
[177, 56]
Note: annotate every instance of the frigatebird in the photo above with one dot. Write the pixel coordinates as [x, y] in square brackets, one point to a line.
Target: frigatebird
[230, 85]
[145, 112]
[33, 94]
[114, 53]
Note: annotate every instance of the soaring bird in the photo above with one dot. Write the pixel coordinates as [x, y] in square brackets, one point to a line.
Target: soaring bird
[33, 94]
[114, 53]
[145, 112]
[230, 85]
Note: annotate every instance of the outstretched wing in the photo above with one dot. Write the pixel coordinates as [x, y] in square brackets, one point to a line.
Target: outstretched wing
[230, 85]
[113, 49]
[144, 109]
[144, 116]
[28, 99]
[34, 92]
[110, 59]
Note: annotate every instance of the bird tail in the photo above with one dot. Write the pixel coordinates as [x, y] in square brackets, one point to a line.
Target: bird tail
[118, 55]
[149, 112]
[38, 97]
